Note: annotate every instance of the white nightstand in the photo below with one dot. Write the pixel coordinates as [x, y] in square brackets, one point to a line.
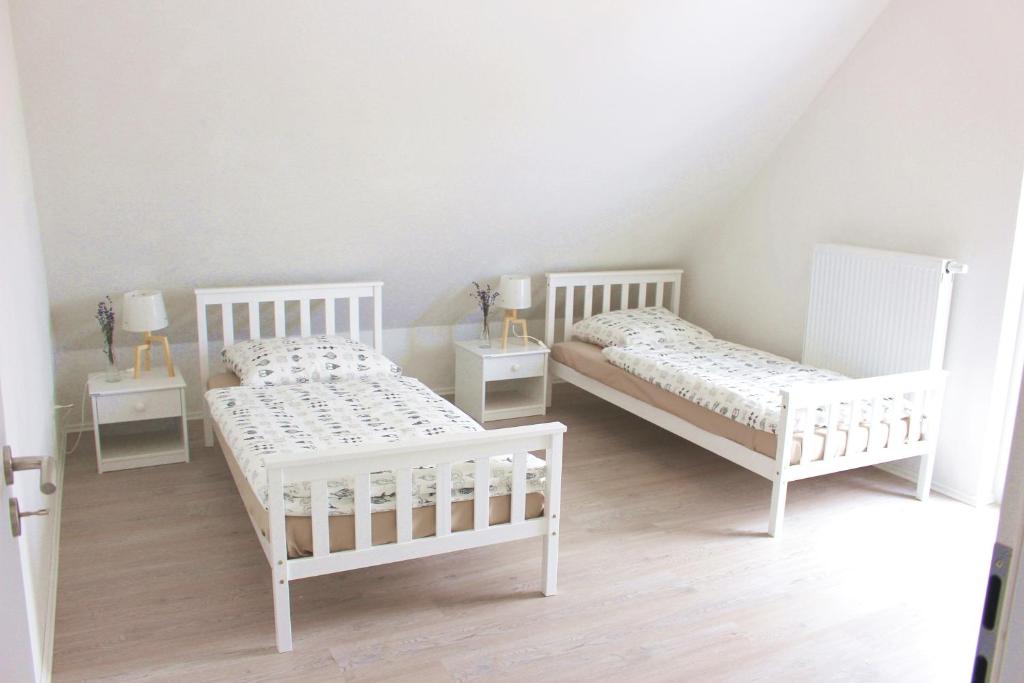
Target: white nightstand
[491, 384]
[139, 422]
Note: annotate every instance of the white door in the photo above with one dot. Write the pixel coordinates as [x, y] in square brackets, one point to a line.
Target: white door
[15, 643]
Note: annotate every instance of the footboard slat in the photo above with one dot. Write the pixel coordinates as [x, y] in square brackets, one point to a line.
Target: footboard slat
[606, 298]
[915, 416]
[357, 464]
[831, 427]
[364, 538]
[443, 500]
[403, 504]
[518, 506]
[875, 437]
[852, 426]
[588, 301]
[481, 493]
[319, 518]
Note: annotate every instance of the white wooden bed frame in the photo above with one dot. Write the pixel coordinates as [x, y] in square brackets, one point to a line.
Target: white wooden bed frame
[358, 463]
[924, 389]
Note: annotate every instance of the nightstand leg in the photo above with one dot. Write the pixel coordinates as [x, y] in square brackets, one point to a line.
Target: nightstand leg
[184, 427]
[96, 437]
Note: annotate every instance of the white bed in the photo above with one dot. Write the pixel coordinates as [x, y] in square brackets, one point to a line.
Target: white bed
[358, 475]
[838, 317]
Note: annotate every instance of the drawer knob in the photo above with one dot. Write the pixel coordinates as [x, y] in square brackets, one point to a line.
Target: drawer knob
[140, 406]
[515, 367]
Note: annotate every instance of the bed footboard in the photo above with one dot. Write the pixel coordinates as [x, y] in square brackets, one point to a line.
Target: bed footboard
[920, 392]
[441, 453]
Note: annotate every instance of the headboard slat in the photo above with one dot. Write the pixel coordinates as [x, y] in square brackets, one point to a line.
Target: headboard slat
[254, 320]
[304, 325]
[353, 319]
[226, 297]
[280, 322]
[570, 306]
[227, 318]
[330, 327]
[623, 279]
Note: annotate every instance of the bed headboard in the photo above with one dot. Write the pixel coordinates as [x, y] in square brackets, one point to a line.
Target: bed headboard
[873, 312]
[266, 313]
[607, 291]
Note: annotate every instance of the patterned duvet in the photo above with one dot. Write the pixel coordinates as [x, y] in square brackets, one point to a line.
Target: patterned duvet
[257, 423]
[732, 380]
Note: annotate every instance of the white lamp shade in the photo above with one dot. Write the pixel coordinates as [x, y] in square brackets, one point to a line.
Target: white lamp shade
[515, 292]
[143, 311]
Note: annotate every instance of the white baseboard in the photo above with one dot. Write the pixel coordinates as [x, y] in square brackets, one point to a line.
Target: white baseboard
[903, 472]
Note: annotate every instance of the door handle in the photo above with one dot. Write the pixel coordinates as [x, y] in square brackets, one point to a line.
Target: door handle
[17, 514]
[44, 465]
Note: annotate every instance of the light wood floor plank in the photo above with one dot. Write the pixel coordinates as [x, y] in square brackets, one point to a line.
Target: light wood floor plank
[665, 574]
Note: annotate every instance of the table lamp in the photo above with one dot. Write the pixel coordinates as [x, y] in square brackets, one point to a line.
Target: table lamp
[515, 296]
[144, 311]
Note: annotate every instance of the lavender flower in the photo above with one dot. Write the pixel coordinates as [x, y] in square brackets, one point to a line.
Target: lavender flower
[485, 297]
[105, 317]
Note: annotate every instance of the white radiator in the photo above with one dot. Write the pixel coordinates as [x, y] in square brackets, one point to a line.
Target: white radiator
[877, 312]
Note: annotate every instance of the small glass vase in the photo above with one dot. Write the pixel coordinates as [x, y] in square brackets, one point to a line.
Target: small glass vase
[485, 334]
[112, 374]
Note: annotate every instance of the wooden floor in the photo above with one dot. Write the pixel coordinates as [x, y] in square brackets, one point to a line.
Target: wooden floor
[666, 574]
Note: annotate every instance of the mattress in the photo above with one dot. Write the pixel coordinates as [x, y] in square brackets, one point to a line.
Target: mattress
[254, 423]
[587, 359]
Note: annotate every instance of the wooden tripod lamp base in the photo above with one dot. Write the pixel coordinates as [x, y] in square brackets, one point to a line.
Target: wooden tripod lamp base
[146, 348]
[510, 326]
[144, 311]
[514, 296]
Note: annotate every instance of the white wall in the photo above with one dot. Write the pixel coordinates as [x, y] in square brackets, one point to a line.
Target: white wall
[916, 144]
[26, 353]
[195, 143]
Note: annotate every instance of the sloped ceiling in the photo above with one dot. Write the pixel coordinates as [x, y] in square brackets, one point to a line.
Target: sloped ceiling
[197, 143]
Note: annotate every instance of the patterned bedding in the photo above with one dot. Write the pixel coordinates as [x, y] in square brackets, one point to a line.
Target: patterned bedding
[258, 422]
[732, 380]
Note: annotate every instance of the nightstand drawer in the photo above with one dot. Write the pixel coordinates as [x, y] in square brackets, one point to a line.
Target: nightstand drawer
[512, 367]
[146, 405]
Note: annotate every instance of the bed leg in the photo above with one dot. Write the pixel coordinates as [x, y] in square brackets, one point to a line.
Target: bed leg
[207, 432]
[282, 611]
[778, 507]
[550, 579]
[552, 511]
[924, 476]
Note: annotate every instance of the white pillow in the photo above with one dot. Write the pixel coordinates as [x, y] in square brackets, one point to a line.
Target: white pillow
[651, 325]
[297, 360]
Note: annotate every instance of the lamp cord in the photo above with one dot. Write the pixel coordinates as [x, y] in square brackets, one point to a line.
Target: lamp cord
[81, 423]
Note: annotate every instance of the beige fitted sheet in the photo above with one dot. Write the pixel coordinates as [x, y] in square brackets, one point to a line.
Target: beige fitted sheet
[588, 360]
[299, 529]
